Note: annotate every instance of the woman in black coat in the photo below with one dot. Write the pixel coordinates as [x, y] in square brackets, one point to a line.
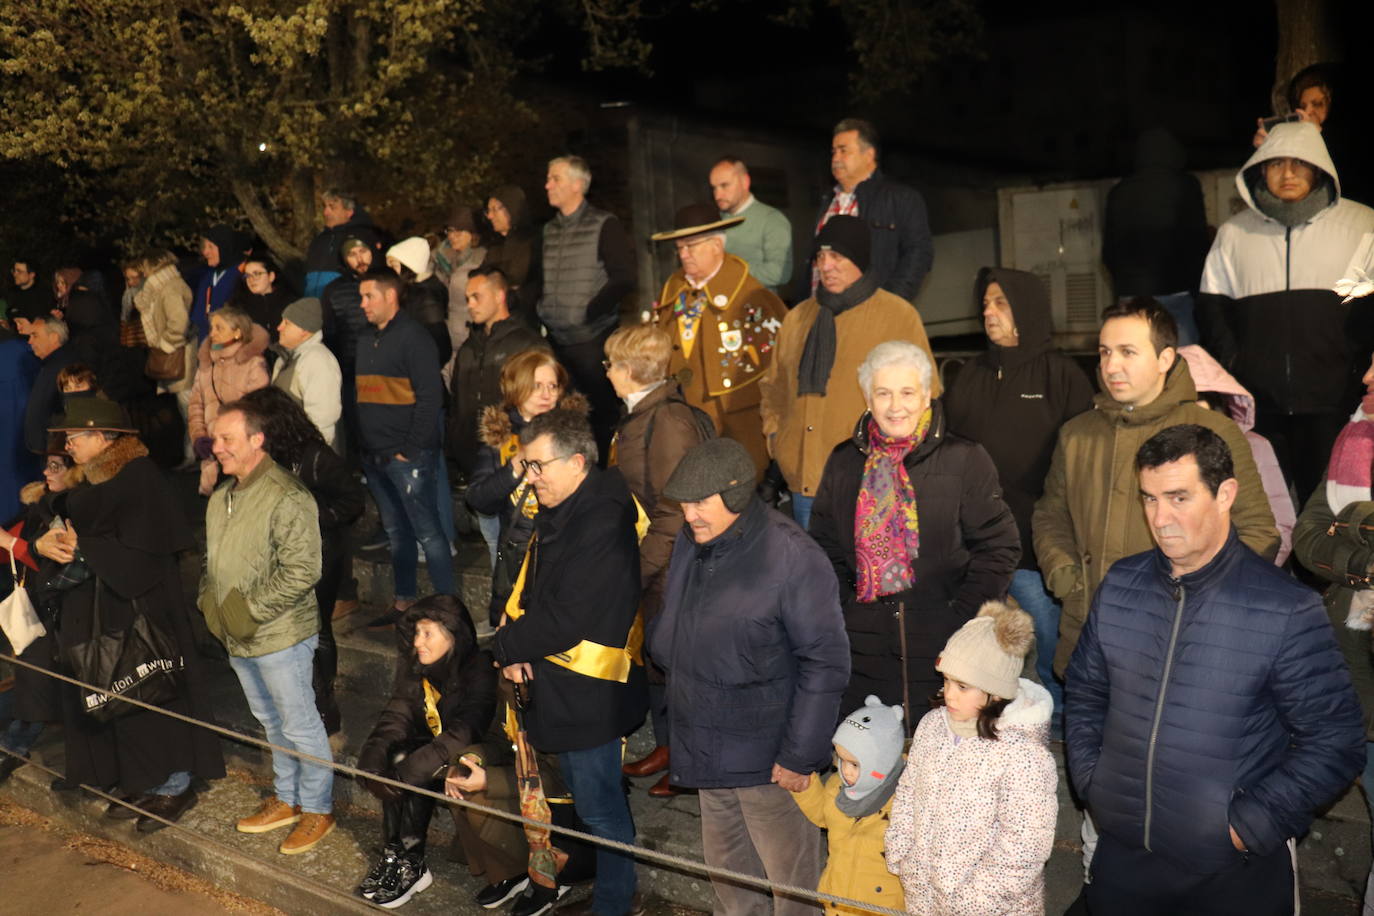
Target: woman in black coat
[36, 697]
[295, 443]
[443, 702]
[532, 382]
[937, 539]
[125, 530]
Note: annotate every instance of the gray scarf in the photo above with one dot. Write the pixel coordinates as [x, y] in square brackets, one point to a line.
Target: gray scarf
[874, 800]
[1292, 213]
[818, 356]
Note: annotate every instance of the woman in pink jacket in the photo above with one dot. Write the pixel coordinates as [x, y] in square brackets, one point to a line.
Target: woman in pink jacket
[231, 365]
[1239, 405]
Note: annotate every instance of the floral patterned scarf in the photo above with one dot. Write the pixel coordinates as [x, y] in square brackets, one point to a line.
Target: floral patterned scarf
[887, 536]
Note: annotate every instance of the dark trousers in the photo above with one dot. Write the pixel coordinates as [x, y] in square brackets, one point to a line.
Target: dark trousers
[583, 362]
[1132, 882]
[405, 821]
[1302, 443]
[335, 563]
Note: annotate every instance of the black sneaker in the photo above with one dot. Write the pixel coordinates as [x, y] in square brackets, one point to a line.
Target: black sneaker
[538, 899]
[374, 878]
[407, 878]
[493, 895]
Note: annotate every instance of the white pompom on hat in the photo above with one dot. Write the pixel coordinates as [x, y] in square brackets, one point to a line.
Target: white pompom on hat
[990, 650]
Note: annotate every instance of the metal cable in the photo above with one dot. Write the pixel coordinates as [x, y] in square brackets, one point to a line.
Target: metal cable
[640, 852]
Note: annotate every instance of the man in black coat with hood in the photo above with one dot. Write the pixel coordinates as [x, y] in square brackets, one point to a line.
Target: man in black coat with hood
[1012, 400]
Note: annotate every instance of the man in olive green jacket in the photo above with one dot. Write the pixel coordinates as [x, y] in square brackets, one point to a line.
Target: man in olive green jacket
[257, 592]
[1090, 515]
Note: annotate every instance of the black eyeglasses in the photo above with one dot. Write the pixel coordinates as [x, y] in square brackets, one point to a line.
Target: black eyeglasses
[535, 468]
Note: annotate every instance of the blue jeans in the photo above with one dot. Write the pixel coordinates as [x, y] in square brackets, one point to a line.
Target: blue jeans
[176, 783]
[801, 509]
[20, 736]
[407, 499]
[1028, 588]
[594, 777]
[280, 696]
[490, 526]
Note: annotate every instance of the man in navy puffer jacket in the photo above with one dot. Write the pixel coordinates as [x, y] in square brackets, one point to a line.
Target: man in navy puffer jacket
[1209, 712]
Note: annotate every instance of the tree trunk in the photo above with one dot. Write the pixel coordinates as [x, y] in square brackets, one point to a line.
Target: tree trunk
[262, 222]
[304, 210]
[1304, 32]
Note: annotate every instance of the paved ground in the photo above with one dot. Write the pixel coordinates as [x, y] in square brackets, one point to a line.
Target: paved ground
[51, 870]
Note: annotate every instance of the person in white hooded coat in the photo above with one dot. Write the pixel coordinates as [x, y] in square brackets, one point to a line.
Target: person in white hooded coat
[1266, 308]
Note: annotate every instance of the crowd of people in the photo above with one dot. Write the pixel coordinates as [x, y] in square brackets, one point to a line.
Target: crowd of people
[846, 597]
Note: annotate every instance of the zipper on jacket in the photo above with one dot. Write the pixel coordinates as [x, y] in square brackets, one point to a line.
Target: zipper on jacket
[1288, 286]
[1179, 597]
[906, 680]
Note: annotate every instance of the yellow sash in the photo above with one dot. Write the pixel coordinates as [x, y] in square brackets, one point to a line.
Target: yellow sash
[608, 663]
[436, 725]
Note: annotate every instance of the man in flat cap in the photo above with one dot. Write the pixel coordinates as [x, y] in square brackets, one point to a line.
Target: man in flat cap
[752, 639]
[309, 373]
[811, 395]
[724, 325]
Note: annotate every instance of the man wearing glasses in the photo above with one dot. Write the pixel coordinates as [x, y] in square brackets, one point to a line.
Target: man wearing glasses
[576, 638]
[724, 325]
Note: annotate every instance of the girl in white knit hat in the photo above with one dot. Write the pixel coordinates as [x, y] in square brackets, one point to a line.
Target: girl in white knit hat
[972, 820]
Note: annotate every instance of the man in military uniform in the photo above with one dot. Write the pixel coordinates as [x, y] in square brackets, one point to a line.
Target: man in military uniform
[724, 325]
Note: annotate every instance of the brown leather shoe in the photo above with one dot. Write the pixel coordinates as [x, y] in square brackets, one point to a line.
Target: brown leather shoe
[343, 607]
[655, 762]
[272, 814]
[311, 829]
[664, 789]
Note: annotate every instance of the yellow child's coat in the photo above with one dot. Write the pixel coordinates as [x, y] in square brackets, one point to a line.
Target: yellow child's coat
[856, 867]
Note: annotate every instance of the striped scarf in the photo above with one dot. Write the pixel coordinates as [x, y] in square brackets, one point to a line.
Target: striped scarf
[887, 535]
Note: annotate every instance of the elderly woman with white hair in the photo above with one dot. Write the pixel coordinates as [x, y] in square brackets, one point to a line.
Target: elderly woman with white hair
[913, 521]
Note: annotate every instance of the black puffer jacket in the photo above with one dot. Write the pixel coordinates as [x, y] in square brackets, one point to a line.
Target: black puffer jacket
[465, 681]
[1012, 400]
[582, 584]
[427, 302]
[969, 550]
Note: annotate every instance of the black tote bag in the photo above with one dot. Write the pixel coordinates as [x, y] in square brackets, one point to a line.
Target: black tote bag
[140, 663]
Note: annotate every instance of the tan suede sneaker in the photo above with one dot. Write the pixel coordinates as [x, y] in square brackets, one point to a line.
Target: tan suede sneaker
[274, 813]
[311, 829]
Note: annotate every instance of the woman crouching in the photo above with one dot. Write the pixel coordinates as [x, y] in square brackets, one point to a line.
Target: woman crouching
[444, 700]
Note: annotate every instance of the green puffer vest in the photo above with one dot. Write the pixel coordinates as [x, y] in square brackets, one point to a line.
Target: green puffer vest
[262, 560]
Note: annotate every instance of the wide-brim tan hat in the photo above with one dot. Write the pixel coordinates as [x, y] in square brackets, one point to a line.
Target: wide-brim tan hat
[696, 219]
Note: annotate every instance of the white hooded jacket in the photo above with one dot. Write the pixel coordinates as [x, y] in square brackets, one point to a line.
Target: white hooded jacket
[1266, 306]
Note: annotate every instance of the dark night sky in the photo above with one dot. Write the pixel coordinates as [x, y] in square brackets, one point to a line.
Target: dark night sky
[1061, 90]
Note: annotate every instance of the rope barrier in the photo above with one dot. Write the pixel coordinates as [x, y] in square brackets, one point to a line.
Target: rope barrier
[639, 852]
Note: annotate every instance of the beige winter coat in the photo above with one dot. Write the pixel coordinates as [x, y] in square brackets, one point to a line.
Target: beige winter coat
[972, 821]
[164, 308]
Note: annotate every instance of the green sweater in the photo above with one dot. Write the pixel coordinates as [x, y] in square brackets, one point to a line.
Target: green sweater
[764, 241]
[262, 560]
